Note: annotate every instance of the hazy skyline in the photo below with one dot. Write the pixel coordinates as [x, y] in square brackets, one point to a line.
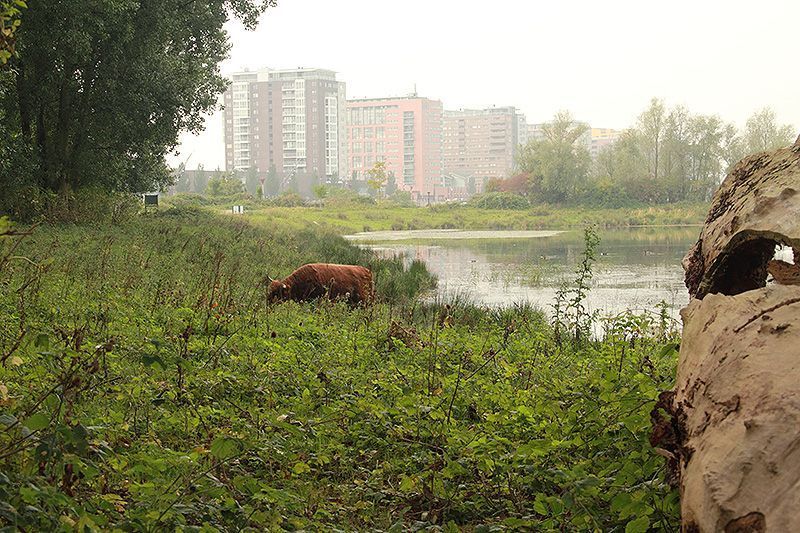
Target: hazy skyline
[601, 61]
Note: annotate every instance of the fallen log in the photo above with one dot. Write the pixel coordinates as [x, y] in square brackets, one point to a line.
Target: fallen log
[730, 429]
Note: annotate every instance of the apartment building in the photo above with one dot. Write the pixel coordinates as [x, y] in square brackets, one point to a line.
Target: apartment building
[291, 121]
[536, 132]
[403, 132]
[239, 121]
[482, 144]
[600, 138]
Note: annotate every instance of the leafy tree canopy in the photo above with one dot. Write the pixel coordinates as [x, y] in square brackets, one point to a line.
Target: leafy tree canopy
[558, 164]
[10, 11]
[225, 185]
[762, 132]
[377, 176]
[102, 88]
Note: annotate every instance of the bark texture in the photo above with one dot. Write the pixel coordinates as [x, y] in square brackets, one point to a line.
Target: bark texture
[730, 429]
[738, 388]
[757, 207]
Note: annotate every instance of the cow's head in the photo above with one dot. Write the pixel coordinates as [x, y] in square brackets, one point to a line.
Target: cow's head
[278, 291]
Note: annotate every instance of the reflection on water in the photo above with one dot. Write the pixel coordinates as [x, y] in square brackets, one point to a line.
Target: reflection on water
[636, 268]
[447, 234]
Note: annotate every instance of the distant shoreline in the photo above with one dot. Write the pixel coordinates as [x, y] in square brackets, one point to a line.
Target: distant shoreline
[449, 234]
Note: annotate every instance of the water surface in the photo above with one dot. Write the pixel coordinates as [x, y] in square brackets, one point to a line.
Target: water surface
[636, 268]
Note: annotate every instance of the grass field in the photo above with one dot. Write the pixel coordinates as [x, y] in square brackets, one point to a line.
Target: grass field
[347, 218]
[146, 385]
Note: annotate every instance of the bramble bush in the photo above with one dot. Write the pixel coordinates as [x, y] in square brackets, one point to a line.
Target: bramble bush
[146, 385]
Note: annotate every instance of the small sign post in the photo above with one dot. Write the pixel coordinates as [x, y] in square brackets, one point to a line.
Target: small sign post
[238, 210]
[150, 200]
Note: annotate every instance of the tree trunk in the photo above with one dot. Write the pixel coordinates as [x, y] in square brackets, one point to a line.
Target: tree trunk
[731, 427]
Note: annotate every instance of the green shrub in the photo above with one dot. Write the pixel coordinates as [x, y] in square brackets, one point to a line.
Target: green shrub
[87, 205]
[500, 200]
[287, 199]
[400, 199]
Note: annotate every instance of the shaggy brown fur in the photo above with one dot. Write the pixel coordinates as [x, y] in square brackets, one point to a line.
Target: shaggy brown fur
[316, 280]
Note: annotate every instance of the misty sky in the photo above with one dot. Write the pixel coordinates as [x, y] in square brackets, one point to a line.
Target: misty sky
[601, 60]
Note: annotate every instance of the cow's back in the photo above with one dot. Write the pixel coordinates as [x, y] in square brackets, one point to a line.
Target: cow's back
[316, 280]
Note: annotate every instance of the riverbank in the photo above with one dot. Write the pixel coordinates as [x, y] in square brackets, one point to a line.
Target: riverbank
[147, 386]
[347, 218]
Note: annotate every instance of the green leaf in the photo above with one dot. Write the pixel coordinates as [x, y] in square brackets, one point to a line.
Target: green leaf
[669, 348]
[620, 501]
[407, 484]
[85, 522]
[301, 468]
[540, 505]
[36, 422]
[640, 525]
[30, 494]
[42, 341]
[150, 360]
[556, 505]
[224, 447]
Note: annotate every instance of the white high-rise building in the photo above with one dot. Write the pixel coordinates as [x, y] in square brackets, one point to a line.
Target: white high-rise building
[287, 121]
[237, 130]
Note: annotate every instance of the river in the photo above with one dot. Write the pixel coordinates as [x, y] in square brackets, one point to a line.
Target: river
[636, 268]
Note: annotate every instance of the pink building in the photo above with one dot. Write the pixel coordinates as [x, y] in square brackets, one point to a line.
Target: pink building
[405, 133]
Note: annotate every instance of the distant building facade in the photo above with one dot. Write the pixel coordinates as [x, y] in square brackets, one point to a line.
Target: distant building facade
[405, 133]
[602, 137]
[482, 144]
[536, 132]
[240, 121]
[291, 122]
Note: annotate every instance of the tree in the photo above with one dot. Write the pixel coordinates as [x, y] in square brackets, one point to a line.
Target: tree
[391, 184]
[104, 88]
[272, 183]
[705, 166]
[10, 12]
[624, 167]
[321, 191]
[732, 147]
[227, 184]
[251, 180]
[558, 164]
[377, 177]
[763, 133]
[672, 154]
[518, 183]
[200, 180]
[651, 125]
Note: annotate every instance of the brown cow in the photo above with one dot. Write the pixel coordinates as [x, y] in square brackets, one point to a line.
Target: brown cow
[316, 280]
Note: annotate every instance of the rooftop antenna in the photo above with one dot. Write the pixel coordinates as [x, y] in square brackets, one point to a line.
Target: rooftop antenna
[415, 90]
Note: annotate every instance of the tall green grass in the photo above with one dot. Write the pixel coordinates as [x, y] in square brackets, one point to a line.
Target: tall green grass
[146, 385]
